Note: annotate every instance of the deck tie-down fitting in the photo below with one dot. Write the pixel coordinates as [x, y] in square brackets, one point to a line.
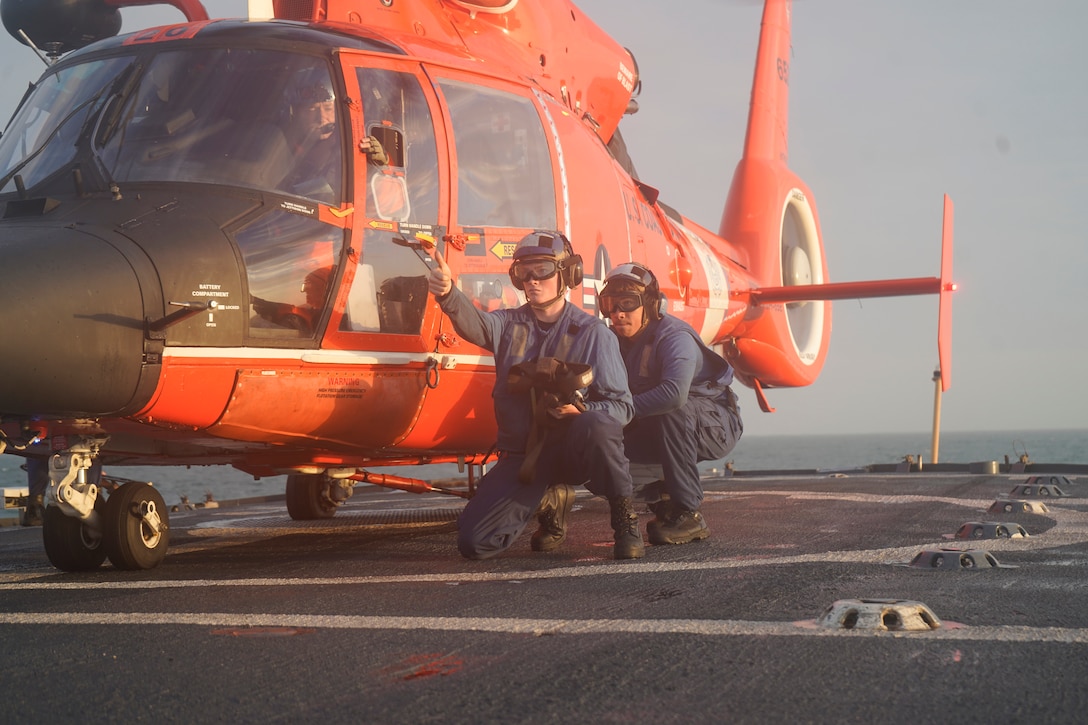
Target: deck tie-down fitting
[1017, 506]
[1040, 487]
[883, 615]
[946, 558]
[990, 530]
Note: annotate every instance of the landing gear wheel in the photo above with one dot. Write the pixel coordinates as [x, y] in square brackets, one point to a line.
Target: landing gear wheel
[306, 498]
[69, 543]
[132, 542]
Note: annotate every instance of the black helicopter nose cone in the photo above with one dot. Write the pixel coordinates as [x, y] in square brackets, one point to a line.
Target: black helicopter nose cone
[71, 325]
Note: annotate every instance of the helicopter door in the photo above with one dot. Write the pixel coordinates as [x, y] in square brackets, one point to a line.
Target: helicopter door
[397, 171]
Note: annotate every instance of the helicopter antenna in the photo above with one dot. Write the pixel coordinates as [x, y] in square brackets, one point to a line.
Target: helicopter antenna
[28, 41]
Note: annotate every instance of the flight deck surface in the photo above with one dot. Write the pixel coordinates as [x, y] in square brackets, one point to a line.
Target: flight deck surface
[373, 616]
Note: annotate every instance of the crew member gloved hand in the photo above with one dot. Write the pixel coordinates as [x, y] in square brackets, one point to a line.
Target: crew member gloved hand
[373, 149]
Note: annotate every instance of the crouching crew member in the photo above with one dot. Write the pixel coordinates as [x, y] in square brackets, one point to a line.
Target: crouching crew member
[685, 411]
[586, 447]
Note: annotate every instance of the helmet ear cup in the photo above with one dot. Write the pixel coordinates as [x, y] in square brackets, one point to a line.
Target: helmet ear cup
[657, 303]
[661, 307]
[572, 273]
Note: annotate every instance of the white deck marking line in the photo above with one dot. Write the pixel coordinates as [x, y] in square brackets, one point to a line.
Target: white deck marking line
[894, 555]
[595, 569]
[538, 627]
[858, 497]
[1071, 528]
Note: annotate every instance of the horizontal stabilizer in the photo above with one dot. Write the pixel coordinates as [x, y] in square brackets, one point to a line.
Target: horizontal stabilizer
[847, 290]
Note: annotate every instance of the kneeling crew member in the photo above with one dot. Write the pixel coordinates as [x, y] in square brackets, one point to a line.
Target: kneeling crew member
[685, 411]
[587, 447]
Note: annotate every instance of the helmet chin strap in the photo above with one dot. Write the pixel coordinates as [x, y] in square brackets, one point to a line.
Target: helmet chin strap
[549, 303]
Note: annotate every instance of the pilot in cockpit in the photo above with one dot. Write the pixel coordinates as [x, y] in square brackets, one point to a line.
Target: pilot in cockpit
[313, 141]
[304, 317]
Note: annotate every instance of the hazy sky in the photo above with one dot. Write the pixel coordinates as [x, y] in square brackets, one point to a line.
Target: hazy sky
[893, 104]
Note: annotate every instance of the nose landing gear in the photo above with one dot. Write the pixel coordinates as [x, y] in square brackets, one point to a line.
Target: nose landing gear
[81, 528]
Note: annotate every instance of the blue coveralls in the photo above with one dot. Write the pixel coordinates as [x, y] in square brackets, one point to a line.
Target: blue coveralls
[685, 411]
[586, 449]
[37, 475]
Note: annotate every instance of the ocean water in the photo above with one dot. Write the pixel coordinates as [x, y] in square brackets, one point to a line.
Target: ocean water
[853, 451]
[753, 453]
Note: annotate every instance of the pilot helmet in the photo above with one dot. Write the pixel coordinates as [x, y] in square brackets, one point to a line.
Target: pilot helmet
[308, 95]
[305, 109]
[310, 87]
[316, 285]
[629, 286]
[542, 255]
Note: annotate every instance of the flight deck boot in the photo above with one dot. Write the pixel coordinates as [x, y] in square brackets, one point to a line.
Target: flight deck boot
[627, 535]
[552, 517]
[681, 527]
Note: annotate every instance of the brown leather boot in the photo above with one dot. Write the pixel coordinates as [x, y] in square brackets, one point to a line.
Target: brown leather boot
[681, 527]
[552, 517]
[627, 535]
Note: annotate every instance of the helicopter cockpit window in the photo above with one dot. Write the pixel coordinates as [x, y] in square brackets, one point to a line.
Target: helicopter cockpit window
[405, 187]
[392, 143]
[44, 134]
[490, 292]
[291, 263]
[253, 118]
[504, 170]
[388, 191]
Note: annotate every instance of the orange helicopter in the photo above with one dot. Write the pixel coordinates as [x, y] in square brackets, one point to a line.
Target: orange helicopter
[217, 235]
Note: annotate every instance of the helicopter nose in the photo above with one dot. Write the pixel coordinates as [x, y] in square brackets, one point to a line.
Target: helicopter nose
[71, 325]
